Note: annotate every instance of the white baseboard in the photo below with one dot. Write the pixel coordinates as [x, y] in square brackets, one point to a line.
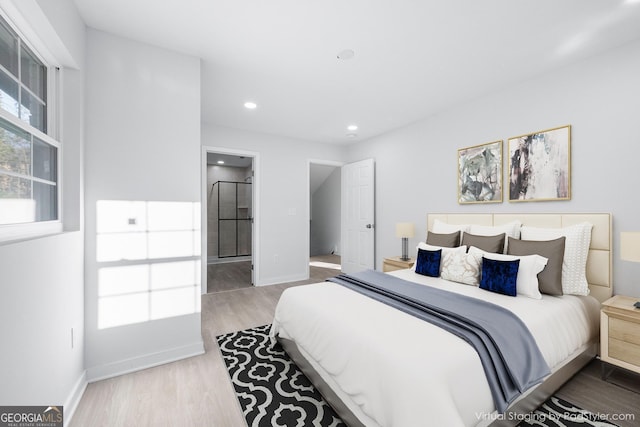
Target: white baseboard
[134, 364]
[283, 279]
[72, 401]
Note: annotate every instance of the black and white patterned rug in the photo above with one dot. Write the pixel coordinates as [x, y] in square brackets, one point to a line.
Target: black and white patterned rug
[272, 391]
[560, 413]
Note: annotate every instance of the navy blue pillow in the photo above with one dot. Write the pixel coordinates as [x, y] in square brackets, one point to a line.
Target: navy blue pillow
[499, 276]
[428, 262]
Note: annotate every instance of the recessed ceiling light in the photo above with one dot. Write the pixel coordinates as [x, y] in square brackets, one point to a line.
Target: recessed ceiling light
[221, 162]
[250, 105]
[346, 54]
[352, 127]
[352, 135]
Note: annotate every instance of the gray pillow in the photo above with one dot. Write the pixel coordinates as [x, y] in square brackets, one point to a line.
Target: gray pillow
[549, 279]
[445, 240]
[494, 244]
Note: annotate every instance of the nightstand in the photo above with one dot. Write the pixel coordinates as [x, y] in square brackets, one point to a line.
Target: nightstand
[395, 263]
[620, 333]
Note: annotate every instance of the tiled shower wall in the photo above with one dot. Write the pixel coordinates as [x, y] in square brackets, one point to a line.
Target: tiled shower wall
[228, 208]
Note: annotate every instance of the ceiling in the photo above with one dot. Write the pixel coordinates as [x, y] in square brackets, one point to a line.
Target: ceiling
[412, 58]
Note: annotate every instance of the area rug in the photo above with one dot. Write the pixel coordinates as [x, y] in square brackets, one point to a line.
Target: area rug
[558, 412]
[272, 391]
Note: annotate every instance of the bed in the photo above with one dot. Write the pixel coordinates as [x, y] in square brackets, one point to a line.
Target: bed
[379, 366]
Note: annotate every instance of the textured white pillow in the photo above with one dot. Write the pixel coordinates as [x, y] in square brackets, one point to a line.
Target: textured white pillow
[425, 247]
[511, 229]
[576, 251]
[461, 267]
[528, 269]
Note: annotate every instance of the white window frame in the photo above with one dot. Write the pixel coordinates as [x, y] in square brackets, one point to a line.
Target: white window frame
[14, 232]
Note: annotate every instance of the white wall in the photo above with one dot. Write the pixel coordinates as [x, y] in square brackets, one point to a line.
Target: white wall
[41, 280]
[599, 97]
[142, 144]
[283, 206]
[326, 216]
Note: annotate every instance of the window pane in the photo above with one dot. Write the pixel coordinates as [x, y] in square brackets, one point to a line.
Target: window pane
[15, 149]
[8, 94]
[16, 205]
[46, 197]
[45, 160]
[12, 187]
[33, 73]
[33, 111]
[8, 48]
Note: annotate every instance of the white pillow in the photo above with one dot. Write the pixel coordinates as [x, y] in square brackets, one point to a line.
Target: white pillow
[444, 228]
[528, 269]
[425, 247]
[576, 251]
[511, 229]
[461, 267]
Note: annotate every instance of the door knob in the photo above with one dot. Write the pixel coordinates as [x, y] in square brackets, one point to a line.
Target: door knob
[369, 225]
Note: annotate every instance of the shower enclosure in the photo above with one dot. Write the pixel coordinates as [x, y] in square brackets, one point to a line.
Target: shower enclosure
[231, 202]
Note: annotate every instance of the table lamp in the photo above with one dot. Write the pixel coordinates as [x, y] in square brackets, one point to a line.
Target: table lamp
[405, 230]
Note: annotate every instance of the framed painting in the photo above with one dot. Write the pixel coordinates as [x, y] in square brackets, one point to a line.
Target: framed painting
[539, 166]
[480, 173]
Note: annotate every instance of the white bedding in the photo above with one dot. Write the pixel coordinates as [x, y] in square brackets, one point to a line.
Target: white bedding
[392, 369]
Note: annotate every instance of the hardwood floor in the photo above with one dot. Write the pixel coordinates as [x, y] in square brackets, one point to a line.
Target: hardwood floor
[589, 391]
[230, 275]
[197, 391]
[194, 391]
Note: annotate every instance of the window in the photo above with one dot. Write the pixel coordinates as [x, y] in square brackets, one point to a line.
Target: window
[28, 155]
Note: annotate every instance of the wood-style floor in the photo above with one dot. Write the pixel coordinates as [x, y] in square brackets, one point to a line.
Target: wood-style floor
[230, 275]
[197, 391]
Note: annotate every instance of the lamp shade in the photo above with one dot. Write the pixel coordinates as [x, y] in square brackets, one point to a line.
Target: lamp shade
[405, 229]
[630, 246]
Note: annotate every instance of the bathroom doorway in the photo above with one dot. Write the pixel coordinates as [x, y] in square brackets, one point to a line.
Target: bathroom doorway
[229, 221]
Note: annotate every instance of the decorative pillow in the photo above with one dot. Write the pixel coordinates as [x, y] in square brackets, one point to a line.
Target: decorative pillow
[527, 278]
[451, 240]
[549, 279]
[428, 262]
[424, 246]
[576, 251]
[460, 267]
[511, 229]
[499, 276]
[486, 243]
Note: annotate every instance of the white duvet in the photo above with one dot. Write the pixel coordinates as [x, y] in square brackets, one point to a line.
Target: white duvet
[394, 370]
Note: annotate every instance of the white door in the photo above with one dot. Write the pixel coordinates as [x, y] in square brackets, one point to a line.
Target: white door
[358, 249]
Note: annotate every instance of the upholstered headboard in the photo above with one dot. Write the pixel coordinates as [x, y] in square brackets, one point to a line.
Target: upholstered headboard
[599, 262]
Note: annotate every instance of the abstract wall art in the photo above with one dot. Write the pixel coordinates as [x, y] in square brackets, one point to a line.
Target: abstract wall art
[539, 166]
[480, 173]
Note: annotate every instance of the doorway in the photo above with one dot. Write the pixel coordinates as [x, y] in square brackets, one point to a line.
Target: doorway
[324, 219]
[229, 217]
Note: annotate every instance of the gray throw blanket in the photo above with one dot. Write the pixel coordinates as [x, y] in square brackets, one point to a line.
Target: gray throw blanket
[510, 356]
